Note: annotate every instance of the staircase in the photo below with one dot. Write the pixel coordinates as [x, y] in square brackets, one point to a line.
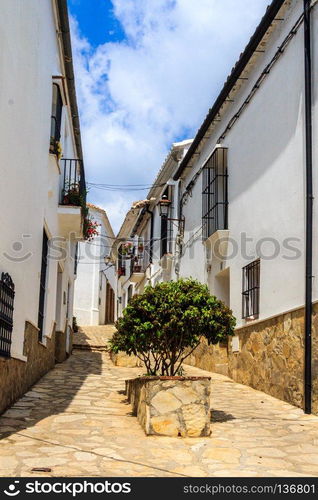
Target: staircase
[93, 338]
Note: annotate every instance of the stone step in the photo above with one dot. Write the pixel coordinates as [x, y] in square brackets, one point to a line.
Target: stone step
[82, 347]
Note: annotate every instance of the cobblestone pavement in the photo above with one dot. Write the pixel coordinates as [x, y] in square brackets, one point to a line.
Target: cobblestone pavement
[93, 337]
[77, 422]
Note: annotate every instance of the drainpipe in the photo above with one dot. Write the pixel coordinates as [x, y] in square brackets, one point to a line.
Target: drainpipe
[309, 205]
[151, 233]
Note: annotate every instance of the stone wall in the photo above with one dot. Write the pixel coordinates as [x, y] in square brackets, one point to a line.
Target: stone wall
[315, 361]
[16, 376]
[213, 358]
[60, 344]
[171, 406]
[270, 358]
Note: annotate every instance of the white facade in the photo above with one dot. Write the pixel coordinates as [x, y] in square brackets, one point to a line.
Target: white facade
[262, 129]
[266, 172]
[32, 59]
[94, 272]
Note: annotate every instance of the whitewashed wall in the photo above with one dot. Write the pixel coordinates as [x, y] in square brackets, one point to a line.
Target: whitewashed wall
[93, 274]
[29, 190]
[266, 152]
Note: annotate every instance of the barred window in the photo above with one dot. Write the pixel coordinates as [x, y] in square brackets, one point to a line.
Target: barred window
[250, 290]
[215, 193]
[166, 229]
[56, 118]
[6, 313]
[121, 262]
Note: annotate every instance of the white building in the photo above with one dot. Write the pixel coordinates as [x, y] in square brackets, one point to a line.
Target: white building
[42, 195]
[125, 284]
[95, 287]
[240, 194]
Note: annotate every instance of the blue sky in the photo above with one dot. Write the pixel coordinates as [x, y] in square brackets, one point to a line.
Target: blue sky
[97, 21]
[147, 71]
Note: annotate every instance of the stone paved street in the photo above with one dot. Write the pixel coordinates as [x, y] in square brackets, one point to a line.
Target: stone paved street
[76, 421]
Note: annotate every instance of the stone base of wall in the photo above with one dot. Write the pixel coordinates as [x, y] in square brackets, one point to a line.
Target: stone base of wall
[270, 357]
[171, 406]
[122, 359]
[16, 376]
[71, 341]
[60, 346]
[212, 358]
[315, 360]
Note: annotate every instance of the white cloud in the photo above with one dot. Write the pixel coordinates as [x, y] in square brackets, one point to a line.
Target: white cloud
[137, 96]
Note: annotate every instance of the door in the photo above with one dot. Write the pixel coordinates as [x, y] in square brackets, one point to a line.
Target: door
[110, 305]
[42, 294]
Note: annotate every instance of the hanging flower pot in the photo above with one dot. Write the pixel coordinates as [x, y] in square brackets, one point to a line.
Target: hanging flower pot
[90, 229]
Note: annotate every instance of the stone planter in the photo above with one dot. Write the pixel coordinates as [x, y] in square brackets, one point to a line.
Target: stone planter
[171, 406]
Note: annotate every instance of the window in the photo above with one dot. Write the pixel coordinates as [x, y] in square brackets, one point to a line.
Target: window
[76, 258]
[68, 301]
[130, 293]
[56, 118]
[6, 313]
[250, 290]
[121, 263]
[166, 230]
[215, 193]
[42, 285]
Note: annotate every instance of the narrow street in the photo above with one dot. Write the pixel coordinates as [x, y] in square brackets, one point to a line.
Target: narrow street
[76, 421]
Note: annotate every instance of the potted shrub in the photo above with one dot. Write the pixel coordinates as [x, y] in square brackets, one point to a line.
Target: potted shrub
[121, 271]
[56, 148]
[72, 194]
[162, 327]
[75, 325]
[127, 248]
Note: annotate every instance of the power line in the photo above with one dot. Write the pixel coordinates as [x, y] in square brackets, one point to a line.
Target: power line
[123, 187]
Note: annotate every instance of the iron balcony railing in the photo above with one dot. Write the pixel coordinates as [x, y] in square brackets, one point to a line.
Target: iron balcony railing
[140, 260]
[73, 190]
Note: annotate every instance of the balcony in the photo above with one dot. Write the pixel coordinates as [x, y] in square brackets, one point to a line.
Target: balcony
[137, 273]
[121, 272]
[72, 198]
[138, 266]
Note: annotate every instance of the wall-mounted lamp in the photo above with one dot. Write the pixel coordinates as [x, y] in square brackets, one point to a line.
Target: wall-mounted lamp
[164, 205]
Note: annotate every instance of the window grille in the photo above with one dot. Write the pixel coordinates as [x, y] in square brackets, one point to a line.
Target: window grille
[250, 290]
[215, 193]
[166, 231]
[56, 118]
[6, 313]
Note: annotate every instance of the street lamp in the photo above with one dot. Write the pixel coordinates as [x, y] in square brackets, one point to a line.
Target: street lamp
[164, 205]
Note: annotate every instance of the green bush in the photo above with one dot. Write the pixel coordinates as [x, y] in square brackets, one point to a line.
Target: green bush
[163, 325]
